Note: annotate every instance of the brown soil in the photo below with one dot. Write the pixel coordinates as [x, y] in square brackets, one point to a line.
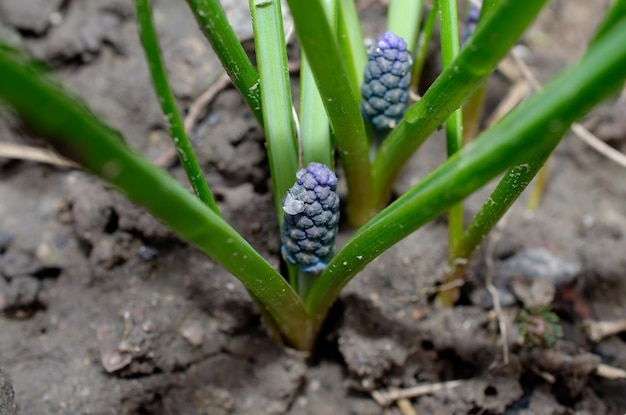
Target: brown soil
[104, 311]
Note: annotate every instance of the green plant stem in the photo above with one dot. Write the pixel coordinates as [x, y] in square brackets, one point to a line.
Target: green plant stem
[473, 111]
[422, 48]
[474, 63]
[314, 126]
[531, 130]
[215, 26]
[448, 23]
[351, 43]
[340, 100]
[540, 184]
[404, 18]
[488, 6]
[615, 13]
[269, 41]
[168, 105]
[514, 182]
[473, 107]
[76, 133]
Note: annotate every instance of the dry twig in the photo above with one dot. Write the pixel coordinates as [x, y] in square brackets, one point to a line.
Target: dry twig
[387, 398]
[610, 372]
[493, 291]
[579, 130]
[598, 330]
[29, 153]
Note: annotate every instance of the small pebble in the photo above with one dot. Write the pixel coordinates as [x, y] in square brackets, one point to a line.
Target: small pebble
[147, 253]
[538, 263]
[5, 241]
[19, 294]
[193, 333]
[17, 262]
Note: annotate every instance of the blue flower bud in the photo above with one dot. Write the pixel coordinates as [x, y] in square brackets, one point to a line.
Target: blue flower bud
[311, 208]
[471, 20]
[386, 82]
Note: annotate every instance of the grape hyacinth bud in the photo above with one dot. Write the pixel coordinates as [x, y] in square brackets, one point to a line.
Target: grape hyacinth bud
[471, 20]
[311, 208]
[386, 82]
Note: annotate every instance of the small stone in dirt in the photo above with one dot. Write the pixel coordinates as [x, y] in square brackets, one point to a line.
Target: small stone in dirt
[147, 253]
[111, 358]
[192, 332]
[30, 15]
[7, 402]
[211, 400]
[18, 262]
[5, 241]
[539, 263]
[535, 293]
[19, 296]
[532, 277]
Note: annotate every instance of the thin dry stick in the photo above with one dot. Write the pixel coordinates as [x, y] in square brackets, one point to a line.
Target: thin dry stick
[404, 405]
[581, 132]
[203, 100]
[493, 291]
[610, 372]
[599, 145]
[387, 398]
[29, 153]
[598, 330]
[198, 105]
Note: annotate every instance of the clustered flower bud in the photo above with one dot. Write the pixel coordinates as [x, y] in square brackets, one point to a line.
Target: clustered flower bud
[471, 20]
[311, 215]
[386, 82]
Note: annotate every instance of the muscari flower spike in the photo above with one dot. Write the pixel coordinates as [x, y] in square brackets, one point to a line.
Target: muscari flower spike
[471, 20]
[311, 215]
[386, 82]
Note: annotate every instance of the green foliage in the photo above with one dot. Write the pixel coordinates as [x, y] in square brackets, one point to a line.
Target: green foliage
[539, 327]
[329, 34]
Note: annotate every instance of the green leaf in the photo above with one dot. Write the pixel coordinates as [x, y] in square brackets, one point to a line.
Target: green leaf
[215, 26]
[448, 22]
[315, 134]
[75, 132]
[342, 105]
[280, 134]
[168, 105]
[534, 128]
[480, 55]
[404, 18]
[351, 43]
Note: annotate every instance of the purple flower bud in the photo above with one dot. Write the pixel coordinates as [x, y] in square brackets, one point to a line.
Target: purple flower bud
[311, 208]
[471, 20]
[386, 82]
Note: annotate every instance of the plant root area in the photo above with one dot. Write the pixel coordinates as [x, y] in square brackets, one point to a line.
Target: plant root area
[104, 311]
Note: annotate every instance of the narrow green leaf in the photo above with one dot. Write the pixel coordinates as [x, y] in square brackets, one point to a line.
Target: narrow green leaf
[351, 43]
[269, 41]
[314, 126]
[475, 62]
[342, 105]
[168, 105]
[75, 132]
[422, 47]
[534, 128]
[514, 182]
[215, 26]
[615, 13]
[404, 18]
[449, 29]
